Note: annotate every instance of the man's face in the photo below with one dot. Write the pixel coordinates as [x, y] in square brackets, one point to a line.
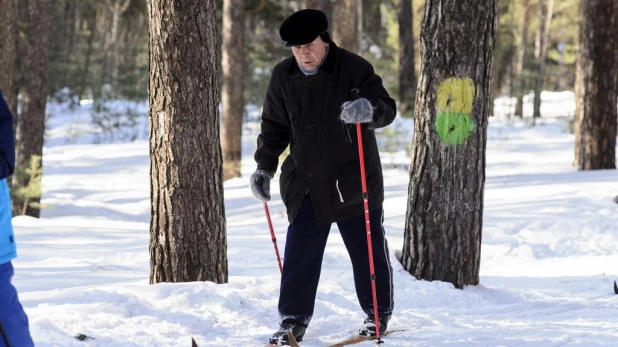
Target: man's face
[310, 55]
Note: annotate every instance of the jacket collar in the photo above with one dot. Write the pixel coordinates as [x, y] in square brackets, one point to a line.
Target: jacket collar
[327, 67]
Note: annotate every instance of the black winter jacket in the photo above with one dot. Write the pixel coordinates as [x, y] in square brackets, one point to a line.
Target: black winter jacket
[303, 111]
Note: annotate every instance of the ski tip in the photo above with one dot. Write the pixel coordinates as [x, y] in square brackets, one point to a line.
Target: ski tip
[615, 288]
[193, 343]
[292, 340]
[83, 337]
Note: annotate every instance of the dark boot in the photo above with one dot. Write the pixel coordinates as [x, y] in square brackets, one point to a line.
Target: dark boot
[280, 338]
[369, 326]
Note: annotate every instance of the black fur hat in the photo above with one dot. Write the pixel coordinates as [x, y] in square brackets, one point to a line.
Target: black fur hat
[303, 27]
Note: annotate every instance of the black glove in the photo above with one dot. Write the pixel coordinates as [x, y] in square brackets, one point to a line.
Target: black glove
[260, 184]
[357, 111]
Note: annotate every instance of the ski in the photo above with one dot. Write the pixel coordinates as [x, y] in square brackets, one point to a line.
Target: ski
[358, 339]
[615, 288]
[82, 337]
[292, 340]
[351, 341]
[193, 343]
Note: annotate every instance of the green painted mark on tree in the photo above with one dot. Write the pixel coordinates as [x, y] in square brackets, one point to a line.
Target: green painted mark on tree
[454, 128]
[455, 97]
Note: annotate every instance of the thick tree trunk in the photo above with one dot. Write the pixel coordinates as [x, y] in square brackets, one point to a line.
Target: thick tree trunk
[187, 229]
[545, 18]
[233, 87]
[442, 239]
[372, 19]
[407, 76]
[117, 8]
[520, 80]
[345, 26]
[598, 90]
[31, 122]
[86, 71]
[22, 51]
[579, 108]
[325, 6]
[8, 52]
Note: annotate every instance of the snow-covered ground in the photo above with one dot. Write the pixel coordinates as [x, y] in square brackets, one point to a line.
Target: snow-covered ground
[549, 256]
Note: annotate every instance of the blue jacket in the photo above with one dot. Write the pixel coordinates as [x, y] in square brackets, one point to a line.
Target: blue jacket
[7, 165]
[7, 239]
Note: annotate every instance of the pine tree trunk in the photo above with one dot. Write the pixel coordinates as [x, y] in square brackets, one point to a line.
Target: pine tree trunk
[545, 19]
[311, 4]
[325, 6]
[372, 18]
[520, 80]
[598, 90]
[407, 76]
[442, 238]
[187, 228]
[31, 122]
[8, 52]
[345, 24]
[322, 5]
[117, 9]
[86, 71]
[579, 107]
[233, 87]
[22, 51]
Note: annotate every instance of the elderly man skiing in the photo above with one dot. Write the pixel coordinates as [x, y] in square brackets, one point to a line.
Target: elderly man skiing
[311, 106]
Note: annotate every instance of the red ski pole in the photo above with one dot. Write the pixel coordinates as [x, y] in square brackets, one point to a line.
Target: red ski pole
[272, 236]
[372, 275]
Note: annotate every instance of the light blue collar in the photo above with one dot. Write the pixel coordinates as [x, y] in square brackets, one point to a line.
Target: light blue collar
[313, 71]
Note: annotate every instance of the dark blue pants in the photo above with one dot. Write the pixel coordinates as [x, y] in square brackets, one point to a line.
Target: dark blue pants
[13, 319]
[304, 249]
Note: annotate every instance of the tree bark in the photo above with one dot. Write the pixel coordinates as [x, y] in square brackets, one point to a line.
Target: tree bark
[233, 87]
[442, 239]
[22, 51]
[187, 229]
[545, 18]
[8, 52]
[117, 9]
[373, 18]
[520, 85]
[345, 26]
[598, 87]
[86, 71]
[325, 6]
[579, 107]
[31, 122]
[407, 75]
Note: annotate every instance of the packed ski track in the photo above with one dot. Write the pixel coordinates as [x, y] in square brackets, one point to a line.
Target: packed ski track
[549, 255]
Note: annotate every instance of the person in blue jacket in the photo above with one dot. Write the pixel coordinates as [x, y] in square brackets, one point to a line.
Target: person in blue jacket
[14, 330]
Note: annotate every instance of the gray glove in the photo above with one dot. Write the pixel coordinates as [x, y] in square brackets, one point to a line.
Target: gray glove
[357, 111]
[260, 184]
